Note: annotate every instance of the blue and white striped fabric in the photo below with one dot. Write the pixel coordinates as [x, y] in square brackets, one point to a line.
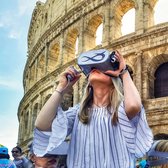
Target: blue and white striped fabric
[98, 144]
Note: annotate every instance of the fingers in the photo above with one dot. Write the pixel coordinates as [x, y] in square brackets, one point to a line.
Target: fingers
[122, 65]
[118, 56]
[121, 60]
[72, 72]
[64, 83]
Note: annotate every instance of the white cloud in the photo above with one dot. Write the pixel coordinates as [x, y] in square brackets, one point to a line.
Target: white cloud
[10, 84]
[12, 20]
[14, 34]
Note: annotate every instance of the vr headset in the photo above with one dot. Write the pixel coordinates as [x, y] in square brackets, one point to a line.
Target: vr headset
[101, 59]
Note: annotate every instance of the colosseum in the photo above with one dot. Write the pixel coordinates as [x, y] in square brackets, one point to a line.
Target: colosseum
[60, 30]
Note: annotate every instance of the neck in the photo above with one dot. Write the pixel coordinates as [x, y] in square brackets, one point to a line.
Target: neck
[101, 96]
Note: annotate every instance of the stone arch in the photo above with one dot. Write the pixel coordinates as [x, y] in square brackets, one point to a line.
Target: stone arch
[53, 59]
[90, 32]
[120, 8]
[155, 63]
[70, 44]
[161, 81]
[41, 67]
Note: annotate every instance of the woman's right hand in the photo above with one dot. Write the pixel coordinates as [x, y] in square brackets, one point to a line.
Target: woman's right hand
[64, 84]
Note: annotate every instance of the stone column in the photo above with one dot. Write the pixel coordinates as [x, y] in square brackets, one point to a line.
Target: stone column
[144, 16]
[40, 103]
[151, 85]
[148, 15]
[46, 56]
[81, 44]
[106, 24]
[138, 75]
[62, 48]
[30, 113]
[36, 69]
[145, 80]
[29, 78]
[29, 126]
[20, 136]
[76, 93]
[139, 17]
[115, 26]
[34, 115]
[23, 126]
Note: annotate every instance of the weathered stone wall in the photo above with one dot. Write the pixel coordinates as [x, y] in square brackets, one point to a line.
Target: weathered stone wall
[54, 29]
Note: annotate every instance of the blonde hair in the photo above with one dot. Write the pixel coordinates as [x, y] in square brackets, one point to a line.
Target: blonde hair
[116, 96]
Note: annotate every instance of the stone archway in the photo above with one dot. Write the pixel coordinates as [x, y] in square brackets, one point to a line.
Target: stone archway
[53, 58]
[70, 45]
[121, 7]
[90, 32]
[155, 63]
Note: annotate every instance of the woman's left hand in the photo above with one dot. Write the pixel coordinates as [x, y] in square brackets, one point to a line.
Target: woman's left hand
[122, 65]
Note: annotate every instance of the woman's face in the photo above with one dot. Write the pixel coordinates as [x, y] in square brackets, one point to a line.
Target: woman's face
[15, 153]
[45, 162]
[97, 77]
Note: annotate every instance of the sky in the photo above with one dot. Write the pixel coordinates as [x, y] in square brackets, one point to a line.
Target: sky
[15, 16]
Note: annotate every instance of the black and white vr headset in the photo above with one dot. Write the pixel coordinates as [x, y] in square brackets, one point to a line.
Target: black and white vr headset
[101, 59]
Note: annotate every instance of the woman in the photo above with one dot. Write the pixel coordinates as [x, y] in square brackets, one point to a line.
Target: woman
[19, 159]
[108, 128]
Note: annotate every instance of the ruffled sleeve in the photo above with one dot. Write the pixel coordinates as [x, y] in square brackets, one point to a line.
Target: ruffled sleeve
[136, 132]
[46, 142]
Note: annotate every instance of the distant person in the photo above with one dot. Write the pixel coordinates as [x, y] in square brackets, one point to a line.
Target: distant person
[5, 162]
[19, 160]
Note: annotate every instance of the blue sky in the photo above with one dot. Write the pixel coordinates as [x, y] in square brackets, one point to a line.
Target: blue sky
[15, 17]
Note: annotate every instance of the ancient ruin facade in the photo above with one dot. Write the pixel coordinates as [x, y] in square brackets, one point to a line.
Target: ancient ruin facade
[57, 25]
